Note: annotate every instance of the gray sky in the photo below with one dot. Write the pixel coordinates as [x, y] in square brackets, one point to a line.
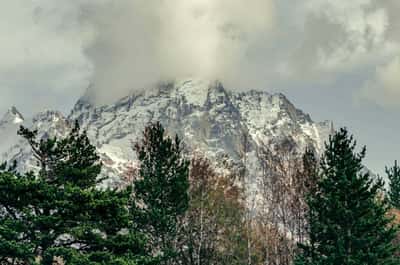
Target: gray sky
[337, 60]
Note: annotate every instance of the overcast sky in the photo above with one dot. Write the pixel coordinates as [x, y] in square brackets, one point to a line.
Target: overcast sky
[337, 60]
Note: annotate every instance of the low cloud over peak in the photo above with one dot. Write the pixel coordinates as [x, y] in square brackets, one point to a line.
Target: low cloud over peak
[56, 50]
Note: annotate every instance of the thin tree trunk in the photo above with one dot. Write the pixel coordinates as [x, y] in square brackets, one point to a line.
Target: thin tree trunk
[249, 253]
[201, 228]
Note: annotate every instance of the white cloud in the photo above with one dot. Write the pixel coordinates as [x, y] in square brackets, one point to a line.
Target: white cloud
[55, 48]
[342, 36]
[140, 42]
[384, 87]
[42, 53]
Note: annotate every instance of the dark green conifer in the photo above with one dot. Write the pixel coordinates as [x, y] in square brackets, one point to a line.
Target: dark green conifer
[348, 223]
[310, 170]
[60, 213]
[393, 174]
[162, 188]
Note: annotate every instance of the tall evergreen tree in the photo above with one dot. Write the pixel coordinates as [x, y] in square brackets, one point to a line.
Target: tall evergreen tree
[60, 213]
[393, 174]
[162, 188]
[310, 171]
[348, 224]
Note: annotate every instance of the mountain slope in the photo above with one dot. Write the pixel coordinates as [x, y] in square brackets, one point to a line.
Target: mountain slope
[221, 124]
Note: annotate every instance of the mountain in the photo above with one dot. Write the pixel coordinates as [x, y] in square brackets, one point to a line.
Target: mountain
[12, 116]
[9, 124]
[221, 124]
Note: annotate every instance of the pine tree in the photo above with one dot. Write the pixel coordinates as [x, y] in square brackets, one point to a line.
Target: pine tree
[310, 171]
[393, 174]
[162, 188]
[60, 213]
[348, 224]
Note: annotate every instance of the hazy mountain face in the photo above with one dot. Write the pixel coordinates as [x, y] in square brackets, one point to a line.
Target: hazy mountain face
[225, 126]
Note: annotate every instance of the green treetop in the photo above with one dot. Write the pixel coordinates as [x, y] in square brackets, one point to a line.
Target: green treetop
[162, 187]
[348, 223]
[393, 174]
[60, 213]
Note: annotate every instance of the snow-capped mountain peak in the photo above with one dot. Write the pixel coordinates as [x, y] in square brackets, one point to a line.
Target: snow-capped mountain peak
[209, 118]
[12, 116]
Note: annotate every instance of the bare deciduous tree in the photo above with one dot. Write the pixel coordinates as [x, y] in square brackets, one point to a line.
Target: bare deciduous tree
[213, 230]
[287, 178]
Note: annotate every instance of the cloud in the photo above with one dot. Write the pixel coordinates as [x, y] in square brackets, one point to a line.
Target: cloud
[42, 63]
[340, 36]
[52, 50]
[384, 88]
[245, 44]
[140, 42]
[349, 43]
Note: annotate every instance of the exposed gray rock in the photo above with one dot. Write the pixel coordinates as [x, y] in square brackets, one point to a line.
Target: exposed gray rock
[209, 118]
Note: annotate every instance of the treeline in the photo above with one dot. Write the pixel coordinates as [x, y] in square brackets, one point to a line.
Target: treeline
[180, 210]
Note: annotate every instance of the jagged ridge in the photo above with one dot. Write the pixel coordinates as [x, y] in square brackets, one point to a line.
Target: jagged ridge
[211, 120]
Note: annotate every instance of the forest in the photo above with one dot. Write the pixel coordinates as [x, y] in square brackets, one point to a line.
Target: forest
[180, 208]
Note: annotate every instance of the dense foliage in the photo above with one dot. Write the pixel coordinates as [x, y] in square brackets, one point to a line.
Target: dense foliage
[348, 223]
[185, 212]
[59, 212]
[393, 174]
[161, 190]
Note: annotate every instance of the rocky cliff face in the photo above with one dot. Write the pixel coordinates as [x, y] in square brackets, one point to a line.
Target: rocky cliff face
[224, 126]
